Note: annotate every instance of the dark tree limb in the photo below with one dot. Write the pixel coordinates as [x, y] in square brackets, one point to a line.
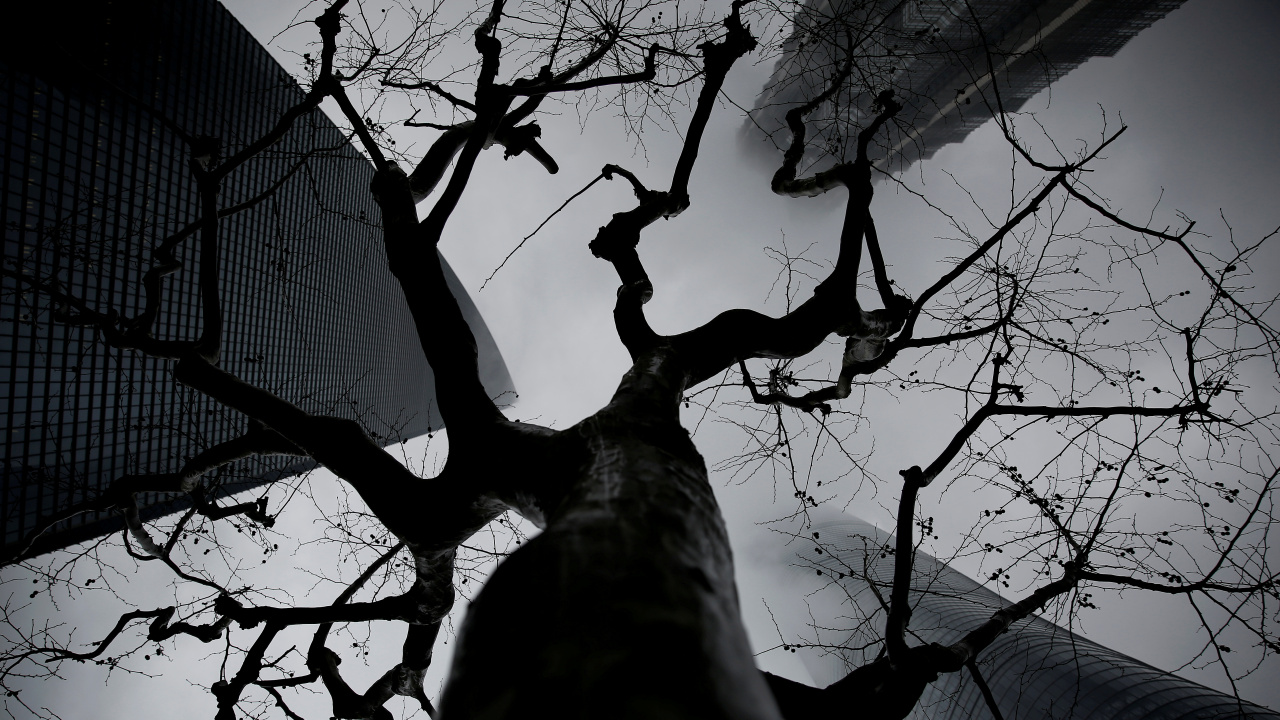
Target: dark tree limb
[648, 73]
[875, 691]
[346, 702]
[361, 128]
[904, 662]
[863, 355]
[159, 629]
[491, 106]
[330, 23]
[1271, 334]
[106, 323]
[987, 697]
[423, 607]
[22, 549]
[255, 510]
[903, 562]
[888, 688]
[209, 345]
[433, 87]
[435, 586]
[1014, 221]
[338, 443]
[516, 139]
[120, 493]
[739, 334]
[808, 402]
[628, 317]
[616, 242]
[977, 640]
[446, 339]
[883, 285]
[429, 171]
[136, 333]
[784, 179]
[228, 692]
[1180, 589]
[405, 678]
[1044, 411]
[718, 58]
[280, 703]
[166, 264]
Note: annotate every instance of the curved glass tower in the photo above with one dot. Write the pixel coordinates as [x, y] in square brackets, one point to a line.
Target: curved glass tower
[931, 53]
[97, 104]
[1036, 670]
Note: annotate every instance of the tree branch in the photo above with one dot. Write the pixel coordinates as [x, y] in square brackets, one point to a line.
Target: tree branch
[903, 561]
[1272, 336]
[330, 23]
[718, 58]
[337, 443]
[648, 73]
[616, 242]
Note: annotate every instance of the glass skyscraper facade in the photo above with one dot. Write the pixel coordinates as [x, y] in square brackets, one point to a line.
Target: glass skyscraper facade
[96, 99]
[933, 54]
[1038, 670]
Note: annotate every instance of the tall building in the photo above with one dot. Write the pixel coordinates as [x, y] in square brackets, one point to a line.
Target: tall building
[934, 55]
[95, 99]
[1038, 670]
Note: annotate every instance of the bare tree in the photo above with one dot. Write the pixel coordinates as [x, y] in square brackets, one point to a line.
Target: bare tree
[625, 601]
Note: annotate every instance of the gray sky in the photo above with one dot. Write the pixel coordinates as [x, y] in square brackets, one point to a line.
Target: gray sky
[1200, 91]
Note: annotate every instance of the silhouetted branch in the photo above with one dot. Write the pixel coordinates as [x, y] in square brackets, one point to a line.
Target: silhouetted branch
[645, 75]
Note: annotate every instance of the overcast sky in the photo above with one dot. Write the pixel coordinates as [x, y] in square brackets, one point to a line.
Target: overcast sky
[1200, 91]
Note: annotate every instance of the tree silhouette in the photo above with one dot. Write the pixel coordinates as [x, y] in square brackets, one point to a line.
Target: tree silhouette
[625, 602]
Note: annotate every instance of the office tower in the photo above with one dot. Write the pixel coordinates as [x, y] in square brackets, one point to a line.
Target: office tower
[95, 100]
[934, 55]
[1036, 670]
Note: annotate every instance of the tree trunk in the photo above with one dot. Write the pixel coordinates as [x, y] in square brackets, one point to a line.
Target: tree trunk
[625, 606]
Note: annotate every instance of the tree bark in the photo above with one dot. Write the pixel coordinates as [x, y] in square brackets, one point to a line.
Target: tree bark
[625, 606]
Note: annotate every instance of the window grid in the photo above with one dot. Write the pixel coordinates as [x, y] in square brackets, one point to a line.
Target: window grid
[93, 180]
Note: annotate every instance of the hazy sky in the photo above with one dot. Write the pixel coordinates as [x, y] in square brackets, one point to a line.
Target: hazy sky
[1200, 91]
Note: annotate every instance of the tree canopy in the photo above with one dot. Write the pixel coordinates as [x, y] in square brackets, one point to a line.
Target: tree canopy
[1102, 384]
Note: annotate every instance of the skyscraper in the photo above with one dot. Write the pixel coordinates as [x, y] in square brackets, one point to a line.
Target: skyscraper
[97, 102]
[1036, 670]
[945, 60]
